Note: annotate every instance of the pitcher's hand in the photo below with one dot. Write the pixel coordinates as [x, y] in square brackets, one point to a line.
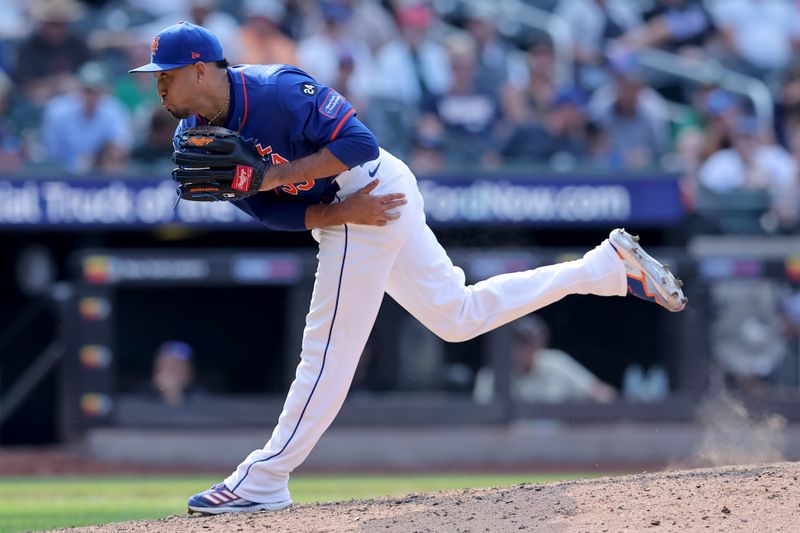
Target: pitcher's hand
[361, 207]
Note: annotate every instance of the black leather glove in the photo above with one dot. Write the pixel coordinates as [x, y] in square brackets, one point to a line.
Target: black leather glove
[216, 164]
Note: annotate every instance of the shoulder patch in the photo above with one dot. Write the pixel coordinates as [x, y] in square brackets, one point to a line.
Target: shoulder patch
[333, 102]
[309, 89]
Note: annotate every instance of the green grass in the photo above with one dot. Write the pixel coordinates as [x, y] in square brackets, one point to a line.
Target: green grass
[39, 503]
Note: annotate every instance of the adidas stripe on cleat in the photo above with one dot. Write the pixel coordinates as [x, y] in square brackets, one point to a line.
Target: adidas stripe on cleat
[219, 499]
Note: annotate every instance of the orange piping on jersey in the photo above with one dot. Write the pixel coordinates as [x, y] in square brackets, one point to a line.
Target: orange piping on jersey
[200, 120]
[244, 90]
[341, 123]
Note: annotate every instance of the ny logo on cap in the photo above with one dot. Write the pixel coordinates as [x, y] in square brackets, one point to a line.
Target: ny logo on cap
[154, 46]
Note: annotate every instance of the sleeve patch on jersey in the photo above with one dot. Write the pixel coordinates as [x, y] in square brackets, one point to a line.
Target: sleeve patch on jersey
[332, 104]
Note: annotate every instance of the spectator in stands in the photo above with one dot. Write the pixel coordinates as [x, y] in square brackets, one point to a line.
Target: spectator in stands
[537, 98]
[14, 24]
[679, 26]
[689, 146]
[368, 22]
[719, 112]
[633, 115]
[154, 154]
[752, 163]
[160, 8]
[427, 153]
[704, 129]
[112, 159]
[206, 13]
[410, 69]
[758, 35]
[534, 101]
[47, 58]
[345, 78]
[297, 19]
[136, 92]
[262, 40]
[712, 111]
[414, 66]
[173, 375]
[77, 125]
[497, 64]
[371, 23]
[558, 140]
[327, 55]
[592, 24]
[541, 57]
[466, 117]
[599, 155]
[787, 116]
[786, 206]
[11, 148]
[540, 374]
[500, 69]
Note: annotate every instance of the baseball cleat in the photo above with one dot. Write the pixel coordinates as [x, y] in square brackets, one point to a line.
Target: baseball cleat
[219, 499]
[647, 278]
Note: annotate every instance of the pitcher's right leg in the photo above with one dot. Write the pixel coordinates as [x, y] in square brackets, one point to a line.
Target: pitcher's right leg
[425, 282]
[647, 278]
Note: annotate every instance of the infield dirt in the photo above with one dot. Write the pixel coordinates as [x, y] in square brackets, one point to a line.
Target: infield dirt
[763, 498]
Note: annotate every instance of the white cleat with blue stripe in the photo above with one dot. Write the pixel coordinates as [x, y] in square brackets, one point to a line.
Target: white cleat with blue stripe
[647, 278]
[219, 499]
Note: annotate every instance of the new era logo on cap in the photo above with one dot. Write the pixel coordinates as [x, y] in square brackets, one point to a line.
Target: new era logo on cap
[180, 45]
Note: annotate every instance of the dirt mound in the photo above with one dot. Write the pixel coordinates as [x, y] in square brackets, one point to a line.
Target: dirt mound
[743, 498]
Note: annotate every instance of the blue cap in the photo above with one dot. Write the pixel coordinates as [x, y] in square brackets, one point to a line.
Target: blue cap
[175, 349]
[747, 125]
[335, 11]
[180, 45]
[569, 96]
[719, 101]
[625, 64]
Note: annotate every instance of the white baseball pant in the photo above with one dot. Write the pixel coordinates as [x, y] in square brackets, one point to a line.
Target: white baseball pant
[357, 264]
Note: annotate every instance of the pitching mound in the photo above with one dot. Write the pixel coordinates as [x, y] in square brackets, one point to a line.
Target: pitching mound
[751, 498]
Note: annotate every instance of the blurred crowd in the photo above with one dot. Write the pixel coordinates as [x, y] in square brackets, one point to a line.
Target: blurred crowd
[446, 85]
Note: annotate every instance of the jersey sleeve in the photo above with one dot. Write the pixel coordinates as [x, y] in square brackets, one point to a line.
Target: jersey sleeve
[355, 145]
[274, 212]
[183, 125]
[324, 117]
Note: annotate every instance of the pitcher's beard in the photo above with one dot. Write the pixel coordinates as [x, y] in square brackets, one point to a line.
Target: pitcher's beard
[180, 114]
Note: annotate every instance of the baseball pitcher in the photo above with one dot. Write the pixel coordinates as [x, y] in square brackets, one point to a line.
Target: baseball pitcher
[293, 154]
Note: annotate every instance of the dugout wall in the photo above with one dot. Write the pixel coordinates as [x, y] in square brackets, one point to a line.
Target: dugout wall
[254, 305]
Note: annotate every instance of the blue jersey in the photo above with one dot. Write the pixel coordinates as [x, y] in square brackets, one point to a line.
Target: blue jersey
[288, 115]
